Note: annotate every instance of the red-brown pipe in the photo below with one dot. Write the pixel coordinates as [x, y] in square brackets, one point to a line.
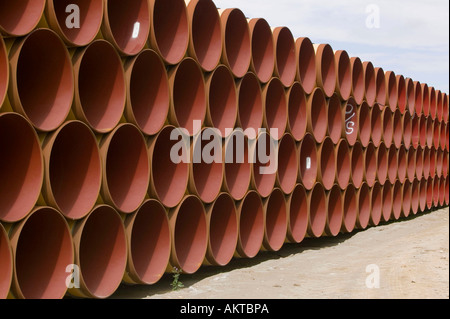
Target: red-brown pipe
[419, 163]
[335, 211]
[411, 163]
[343, 164]
[381, 86]
[317, 206]
[343, 74]
[189, 244]
[426, 162]
[439, 106]
[436, 134]
[73, 172]
[363, 197]
[433, 162]
[376, 195]
[370, 165]
[388, 126]
[275, 108]
[4, 71]
[423, 131]
[169, 179]
[387, 201]
[42, 249]
[205, 40]
[407, 129]
[98, 68]
[382, 164]
[223, 230]
[429, 192]
[6, 263]
[350, 110]
[358, 79]
[57, 13]
[100, 253]
[127, 24]
[187, 95]
[21, 167]
[263, 53]
[306, 64]
[376, 126]
[436, 188]
[442, 191]
[447, 190]
[275, 220]
[410, 95]
[250, 105]
[325, 68]
[237, 167]
[206, 174]
[425, 99]
[442, 136]
[46, 97]
[415, 131]
[397, 201]
[19, 18]
[335, 126]
[439, 162]
[308, 161]
[370, 83]
[392, 164]
[364, 123]
[222, 100]
[148, 243]
[297, 117]
[297, 206]
[423, 194]
[264, 171]
[445, 110]
[402, 164]
[350, 201]
[251, 225]
[148, 96]
[398, 128]
[447, 137]
[126, 168]
[288, 164]
[317, 115]
[415, 196]
[429, 131]
[445, 164]
[402, 93]
[418, 98]
[237, 47]
[357, 164]
[433, 102]
[326, 155]
[285, 60]
[407, 199]
[391, 90]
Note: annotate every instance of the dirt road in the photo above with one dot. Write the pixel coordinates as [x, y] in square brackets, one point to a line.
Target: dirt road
[408, 258]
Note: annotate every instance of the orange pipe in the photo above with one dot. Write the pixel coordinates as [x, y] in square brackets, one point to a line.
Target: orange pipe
[250, 103]
[275, 220]
[317, 211]
[316, 110]
[358, 80]
[4, 71]
[297, 117]
[285, 61]
[335, 211]
[325, 68]
[308, 161]
[297, 206]
[376, 203]
[263, 53]
[335, 127]
[19, 18]
[364, 200]
[343, 75]
[6, 263]
[370, 83]
[350, 201]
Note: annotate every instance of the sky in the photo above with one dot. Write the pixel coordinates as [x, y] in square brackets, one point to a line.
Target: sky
[408, 37]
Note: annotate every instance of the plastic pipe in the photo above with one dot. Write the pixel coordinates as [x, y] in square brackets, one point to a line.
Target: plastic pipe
[391, 90]
[407, 129]
[148, 243]
[73, 170]
[42, 249]
[423, 131]
[357, 164]
[264, 171]
[397, 201]
[100, 87]
[436, 134]
[20, 17]
[425, 99]
[205, 33]
[316, 110]
[4, 71]
[376, 195]
[418, 98]
[406, 199]
[222, 100]
[410, 95]
[432, 162]
[382, 164]
[415, 196]
[288, 164]
[439, 106]
[402, 160]
[388, 203]
[343, 74]
[426, 162]
[364, 200]
[206, 174]
[308, 162]
[57, 13]
[251, 225]
[250, 105]
[306, 65]
[350, 209]
[237, 167]
[335, 211]
[100, 253]
[402, 93]
[439, 161]
[263, 53]
[429, 192]
[350, 110]
[423, 194]
[343, 164]
[419, 163]
[392, 164]
[297, 117]
[237, 47]
[358, 80]
[21, 167]
[335, 126]
[275, 108]
[327, 164]
[46, 97]
[411, 164]
[370, 83]
[442, 191]
[415, 131]
[433, 102]
[126, 168]
[275, 220]
[148, 96]
[187, 95]
[317, 206]
[168, 182]
[189, 244]
[388, 127]
[376, 125]
[285, 60]
[436, 191]
[398, 128]
[364, 123]
[222, 223]
[442, 136]
[297, 206]
[325, 68]
[126, 24]
[6, 263]
[370, 164]
[381, 86]
[429, 131]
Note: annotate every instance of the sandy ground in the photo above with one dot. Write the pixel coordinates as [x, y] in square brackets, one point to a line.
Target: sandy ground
[412, 257]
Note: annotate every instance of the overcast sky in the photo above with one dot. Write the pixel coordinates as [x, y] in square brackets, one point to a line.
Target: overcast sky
[412, 37]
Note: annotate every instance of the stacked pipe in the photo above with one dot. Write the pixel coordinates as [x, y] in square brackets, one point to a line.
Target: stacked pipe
[90, 115]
